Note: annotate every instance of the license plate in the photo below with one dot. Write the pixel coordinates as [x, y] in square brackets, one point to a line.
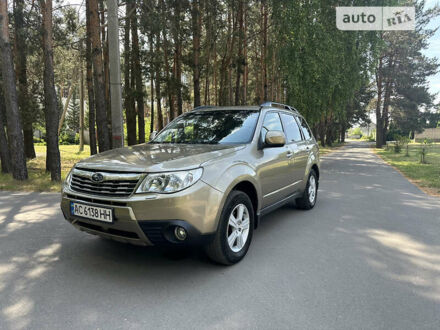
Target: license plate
[91, 212]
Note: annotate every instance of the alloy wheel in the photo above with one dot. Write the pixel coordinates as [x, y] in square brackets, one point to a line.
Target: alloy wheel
[312, 189]
[238, 228]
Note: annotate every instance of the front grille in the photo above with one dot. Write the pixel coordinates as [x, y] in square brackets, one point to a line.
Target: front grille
[96, 200]
[113, 231]
[112, 184]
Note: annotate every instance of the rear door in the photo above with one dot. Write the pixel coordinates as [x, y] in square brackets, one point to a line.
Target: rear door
[295, 143]
[304, 146]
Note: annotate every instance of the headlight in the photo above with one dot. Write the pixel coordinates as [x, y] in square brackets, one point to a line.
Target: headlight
[169, 182]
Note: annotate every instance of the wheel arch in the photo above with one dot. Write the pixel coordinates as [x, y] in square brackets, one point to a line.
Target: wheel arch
[316, 169]
[249, 189]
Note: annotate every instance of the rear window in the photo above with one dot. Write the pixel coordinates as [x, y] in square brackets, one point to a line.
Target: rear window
[305, 128]
[291, 128]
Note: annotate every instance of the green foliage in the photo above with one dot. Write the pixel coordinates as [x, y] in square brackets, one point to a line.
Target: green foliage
[424, 150]
[72, 115]
[67, 138]
[369, 138]
[326, 70]
[400, 142]
[355, 131]
[39, 141]
[147, 130]
[403, 71]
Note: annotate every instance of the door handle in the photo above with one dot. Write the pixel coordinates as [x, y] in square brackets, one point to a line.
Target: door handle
[289, 154]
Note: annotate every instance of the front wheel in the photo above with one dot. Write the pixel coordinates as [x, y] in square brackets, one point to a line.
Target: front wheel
[234, 233]
[308, 199]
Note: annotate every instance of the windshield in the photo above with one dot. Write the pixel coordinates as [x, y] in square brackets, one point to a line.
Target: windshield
[211, 127]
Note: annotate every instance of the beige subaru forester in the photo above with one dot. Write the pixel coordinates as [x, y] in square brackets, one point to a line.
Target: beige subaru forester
[205, 179]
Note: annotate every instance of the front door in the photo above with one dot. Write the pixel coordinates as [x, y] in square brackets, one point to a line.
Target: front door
[273, 166]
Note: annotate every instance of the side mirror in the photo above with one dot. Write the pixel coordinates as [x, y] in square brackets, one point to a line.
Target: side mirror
[153, 135]
[274, 139]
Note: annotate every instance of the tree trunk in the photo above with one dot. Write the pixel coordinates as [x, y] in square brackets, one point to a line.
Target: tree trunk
[105, 50]
[81, 102]
[150, 39]
[5, 157]
[342, 132]
[329, 134]
[178, 61]
[107, 89]
[196, 30]
[385, 110]
[379, 123]
[210, 39]
[98, 74]
[21, 72]
[257, 77]
[239, 63]
[138, 77]
[53, 161]
[168, 78]
[206, 99]
[387, 99]
[89, 80]
[225, 94]
[158, 92]
[245, 60]
[130, 111]
[264, 50]
[69, 96]
[215, 75]
[322, 131]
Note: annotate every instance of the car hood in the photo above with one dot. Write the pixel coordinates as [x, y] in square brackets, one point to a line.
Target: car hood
[156, 157]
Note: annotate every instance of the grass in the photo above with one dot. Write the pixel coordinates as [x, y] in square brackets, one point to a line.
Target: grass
[424, 175]
[39, 179]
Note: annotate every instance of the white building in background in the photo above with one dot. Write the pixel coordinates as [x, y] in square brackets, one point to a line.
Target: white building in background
[432, 134]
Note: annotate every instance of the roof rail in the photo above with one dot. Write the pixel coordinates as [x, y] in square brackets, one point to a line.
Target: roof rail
[278, 105]
[201, 107]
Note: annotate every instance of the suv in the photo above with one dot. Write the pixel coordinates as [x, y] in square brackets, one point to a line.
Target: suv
[206, 178]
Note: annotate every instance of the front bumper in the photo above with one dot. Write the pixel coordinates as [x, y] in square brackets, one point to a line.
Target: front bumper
[150, 219]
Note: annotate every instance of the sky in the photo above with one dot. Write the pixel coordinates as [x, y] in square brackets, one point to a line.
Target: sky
[434, 49]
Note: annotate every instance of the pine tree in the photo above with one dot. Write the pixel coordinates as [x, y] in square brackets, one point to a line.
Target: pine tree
[15, 134]
[72, 117]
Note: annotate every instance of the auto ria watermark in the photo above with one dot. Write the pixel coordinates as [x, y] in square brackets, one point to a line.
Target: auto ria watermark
[375, 18]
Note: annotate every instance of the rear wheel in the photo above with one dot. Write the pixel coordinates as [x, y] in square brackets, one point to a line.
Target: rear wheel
[234, 233]
[308, 199]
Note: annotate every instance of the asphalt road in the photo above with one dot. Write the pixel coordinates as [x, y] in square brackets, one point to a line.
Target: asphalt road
[367, 256]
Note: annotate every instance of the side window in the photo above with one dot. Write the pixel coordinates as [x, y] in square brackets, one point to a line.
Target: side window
[291, 128]
[305, 128]
[271, 122]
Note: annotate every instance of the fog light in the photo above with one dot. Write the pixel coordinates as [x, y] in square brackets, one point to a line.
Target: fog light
[180, 233]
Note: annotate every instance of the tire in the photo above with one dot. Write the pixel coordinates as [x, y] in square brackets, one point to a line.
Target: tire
[220, 250]
[308, 199]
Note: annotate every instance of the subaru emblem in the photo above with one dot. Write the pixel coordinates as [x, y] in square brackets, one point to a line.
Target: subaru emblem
[97, 177]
